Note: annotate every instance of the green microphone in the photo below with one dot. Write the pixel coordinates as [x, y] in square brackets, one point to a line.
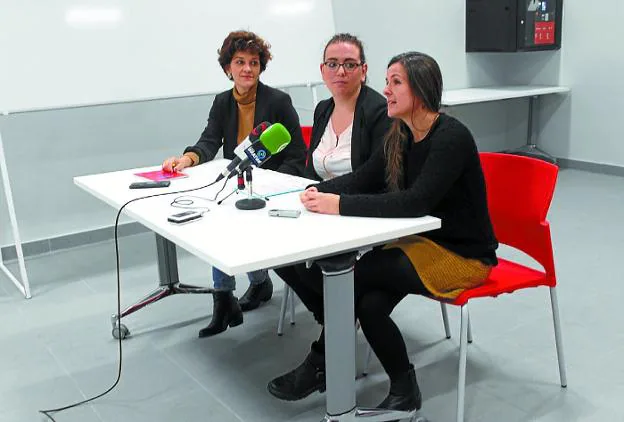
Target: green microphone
[275, 138]
[272, 141]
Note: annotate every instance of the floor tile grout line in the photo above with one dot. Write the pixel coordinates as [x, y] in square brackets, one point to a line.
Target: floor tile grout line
[203, 387]
[59, 363]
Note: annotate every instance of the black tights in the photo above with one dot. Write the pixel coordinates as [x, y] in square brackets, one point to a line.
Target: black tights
[383, 277]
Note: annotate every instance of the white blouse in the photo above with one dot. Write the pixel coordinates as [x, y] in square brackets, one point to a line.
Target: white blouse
[332, 157]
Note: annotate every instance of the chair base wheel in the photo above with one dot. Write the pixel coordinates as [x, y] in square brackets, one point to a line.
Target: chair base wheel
[120, 331]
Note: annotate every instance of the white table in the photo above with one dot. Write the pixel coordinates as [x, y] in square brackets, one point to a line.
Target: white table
[228, 238]
[465, 96]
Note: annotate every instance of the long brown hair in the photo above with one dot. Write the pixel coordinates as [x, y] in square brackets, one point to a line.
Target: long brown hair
[425, 81]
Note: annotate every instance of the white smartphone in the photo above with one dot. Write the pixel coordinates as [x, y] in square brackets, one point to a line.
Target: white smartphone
[184, 217]
[285, 213]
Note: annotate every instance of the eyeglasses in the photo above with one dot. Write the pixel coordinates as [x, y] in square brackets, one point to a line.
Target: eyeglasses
[333, 65]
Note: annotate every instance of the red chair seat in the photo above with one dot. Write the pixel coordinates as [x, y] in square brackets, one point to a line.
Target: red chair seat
[506, 277]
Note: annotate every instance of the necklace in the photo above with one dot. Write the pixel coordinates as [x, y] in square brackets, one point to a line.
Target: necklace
[420, 138]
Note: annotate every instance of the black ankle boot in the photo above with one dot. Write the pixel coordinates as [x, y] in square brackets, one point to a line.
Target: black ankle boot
[301, 381]
[404, 393]
[225, 312]
[256, 294]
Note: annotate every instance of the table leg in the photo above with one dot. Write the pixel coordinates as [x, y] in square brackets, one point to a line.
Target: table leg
[168, 285]
[23, 284]
[531, 149]
[167, 259]
[340, 346]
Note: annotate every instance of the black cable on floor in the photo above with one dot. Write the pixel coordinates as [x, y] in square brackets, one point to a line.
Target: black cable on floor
[47, 412]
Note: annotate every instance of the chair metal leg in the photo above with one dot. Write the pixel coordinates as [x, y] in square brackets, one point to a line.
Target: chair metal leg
[292, 306]
[558, 339]
[463, 346]
[367, 359]
[280, 323]
[469, 329]
[447, 329]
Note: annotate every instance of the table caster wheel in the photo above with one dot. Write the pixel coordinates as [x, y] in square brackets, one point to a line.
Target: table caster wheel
[120, 331]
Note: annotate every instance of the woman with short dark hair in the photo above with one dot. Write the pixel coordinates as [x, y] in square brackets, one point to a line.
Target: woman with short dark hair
[234, 113]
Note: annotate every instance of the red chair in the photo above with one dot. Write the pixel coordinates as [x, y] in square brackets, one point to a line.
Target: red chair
[519, 193]
[307, 135]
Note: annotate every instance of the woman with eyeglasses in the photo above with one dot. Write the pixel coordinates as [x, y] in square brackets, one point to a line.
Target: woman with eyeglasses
[348, 128]
[350, 125]
[234, 113]
[429, 165]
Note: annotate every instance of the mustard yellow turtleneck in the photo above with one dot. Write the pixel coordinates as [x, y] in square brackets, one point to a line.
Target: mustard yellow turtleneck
[246, 109]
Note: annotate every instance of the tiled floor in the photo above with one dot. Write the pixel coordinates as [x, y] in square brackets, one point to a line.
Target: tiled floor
[57, 348]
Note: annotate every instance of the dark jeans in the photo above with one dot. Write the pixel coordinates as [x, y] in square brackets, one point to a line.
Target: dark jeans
[383, 277]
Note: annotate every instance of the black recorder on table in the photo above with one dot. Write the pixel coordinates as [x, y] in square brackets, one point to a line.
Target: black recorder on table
[150, 184]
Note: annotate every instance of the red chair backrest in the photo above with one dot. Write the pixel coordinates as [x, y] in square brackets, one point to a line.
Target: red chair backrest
[307, 134]
[519, 193]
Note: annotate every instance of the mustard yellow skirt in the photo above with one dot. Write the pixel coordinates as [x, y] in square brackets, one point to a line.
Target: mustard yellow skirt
[444, 273]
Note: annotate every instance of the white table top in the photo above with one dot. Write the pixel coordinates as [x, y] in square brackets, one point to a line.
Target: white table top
[238, 241]
[455, 97]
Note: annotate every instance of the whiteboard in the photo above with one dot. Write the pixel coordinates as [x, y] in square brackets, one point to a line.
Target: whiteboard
[65, 53]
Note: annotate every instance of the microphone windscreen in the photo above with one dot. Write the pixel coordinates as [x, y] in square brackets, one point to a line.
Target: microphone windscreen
[275, 138]
[258, 130]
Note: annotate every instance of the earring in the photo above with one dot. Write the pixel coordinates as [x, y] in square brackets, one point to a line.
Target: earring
[229, 75]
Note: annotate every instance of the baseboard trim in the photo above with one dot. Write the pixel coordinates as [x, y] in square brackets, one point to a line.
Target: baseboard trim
[610, 169]
[44, 246]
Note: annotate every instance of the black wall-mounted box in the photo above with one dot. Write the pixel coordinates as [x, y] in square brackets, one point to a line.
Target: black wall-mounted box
[513, 25]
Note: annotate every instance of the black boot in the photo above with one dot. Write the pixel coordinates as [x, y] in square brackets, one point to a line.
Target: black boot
[301, 381]
[225, 311]
[256, 294]
[404, 393]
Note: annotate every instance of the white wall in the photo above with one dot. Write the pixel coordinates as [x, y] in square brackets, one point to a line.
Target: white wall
[46, 149]
[118, 51]
[436, 28]
[581, 126]
[585, 125]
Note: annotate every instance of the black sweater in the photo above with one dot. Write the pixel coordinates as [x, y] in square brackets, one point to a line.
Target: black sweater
[442, 178]
[370, 123]
[272, 105]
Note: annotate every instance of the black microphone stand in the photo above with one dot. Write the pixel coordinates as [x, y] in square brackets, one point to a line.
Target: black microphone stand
[239, 187]
[250, 203]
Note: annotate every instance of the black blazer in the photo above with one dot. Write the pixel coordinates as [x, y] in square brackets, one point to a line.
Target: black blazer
[370, 123]
[272, 105]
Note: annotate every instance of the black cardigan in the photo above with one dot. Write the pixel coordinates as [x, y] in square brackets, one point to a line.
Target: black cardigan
[272, 105]
[370, 123]
[442, 178]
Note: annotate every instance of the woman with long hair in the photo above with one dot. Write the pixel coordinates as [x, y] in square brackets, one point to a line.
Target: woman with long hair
[429, 166]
